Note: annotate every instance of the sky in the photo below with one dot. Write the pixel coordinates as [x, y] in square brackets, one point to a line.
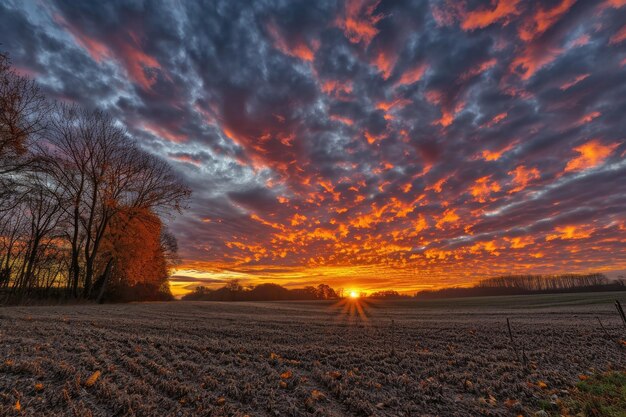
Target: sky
[367, 144]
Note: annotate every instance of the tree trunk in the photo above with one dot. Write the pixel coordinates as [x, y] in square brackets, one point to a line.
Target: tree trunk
[91, 258]
[105, 279]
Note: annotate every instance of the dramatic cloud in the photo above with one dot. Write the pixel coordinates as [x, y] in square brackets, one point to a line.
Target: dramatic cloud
[366, 144]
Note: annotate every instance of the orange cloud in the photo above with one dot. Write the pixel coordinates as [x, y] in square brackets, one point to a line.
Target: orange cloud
[384, 61]
[533, 58]
[479, 69]
[520, 242]
[412, 76]
[189, 160]
[163, 133]
[482, 18]
[297, 219]
[449, 217]
[619, 37]
[137, 62]
[592, 154]
[359, 21]
[277, 226]
[387, 105]
[342, 119]
[336, 88]
[588, 118]
[446, 118]
[488, 155]
[496, 119]
[489, 246]
[570, 232]
[615, 4]
[522, 176]
[96, 49]
[447, 113]
[295, 48]
[139, 65]
[542, 20]
[575, 81]
[580, 41]
[482, 188]
[371, 138]
[436, 187]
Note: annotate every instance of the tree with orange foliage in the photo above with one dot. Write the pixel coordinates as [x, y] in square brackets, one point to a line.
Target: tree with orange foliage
[134, 258]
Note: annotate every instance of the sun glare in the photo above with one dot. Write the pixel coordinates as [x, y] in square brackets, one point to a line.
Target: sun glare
[354, 294]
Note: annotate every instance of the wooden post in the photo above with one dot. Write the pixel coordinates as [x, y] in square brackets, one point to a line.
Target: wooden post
[508, 324]
[603, 328]
[620, 310]
[393, 337]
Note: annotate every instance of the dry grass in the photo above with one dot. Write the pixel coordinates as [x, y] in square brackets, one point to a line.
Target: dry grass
[449, 358]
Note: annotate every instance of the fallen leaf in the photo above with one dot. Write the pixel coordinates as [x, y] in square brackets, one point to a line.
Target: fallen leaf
[510, 403]
[317, 395]
[17, 406]
[92, 379]
[286, 375]
[38, 387]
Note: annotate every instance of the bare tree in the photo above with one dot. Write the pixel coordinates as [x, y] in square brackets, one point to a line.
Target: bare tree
[60, 193]
[23, 113]
[43, 214]
[101, 171]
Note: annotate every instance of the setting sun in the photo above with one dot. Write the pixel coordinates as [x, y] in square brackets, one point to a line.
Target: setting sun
[354, 294]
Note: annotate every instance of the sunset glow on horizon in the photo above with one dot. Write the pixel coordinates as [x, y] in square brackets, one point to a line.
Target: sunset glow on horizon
[365, 144]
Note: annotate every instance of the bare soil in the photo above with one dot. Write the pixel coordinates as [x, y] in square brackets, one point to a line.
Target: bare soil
[365, 358]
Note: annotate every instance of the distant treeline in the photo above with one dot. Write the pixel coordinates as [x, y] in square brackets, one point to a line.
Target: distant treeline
[234, 291]
[530, 284]
[388, 295]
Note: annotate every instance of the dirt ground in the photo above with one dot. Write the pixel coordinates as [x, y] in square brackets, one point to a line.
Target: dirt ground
[355, 358]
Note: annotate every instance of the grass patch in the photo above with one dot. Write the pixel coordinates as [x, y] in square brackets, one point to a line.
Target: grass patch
[601, 395]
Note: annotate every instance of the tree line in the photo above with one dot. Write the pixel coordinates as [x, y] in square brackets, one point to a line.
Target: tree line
[80, 202]
[544, 282]
[530, 284]
[234, 291]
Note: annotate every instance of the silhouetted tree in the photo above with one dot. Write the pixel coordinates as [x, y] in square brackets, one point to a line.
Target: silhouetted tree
[234, 291]
[63, 195]
[23, 113]
[101, 173]
[389, 294]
